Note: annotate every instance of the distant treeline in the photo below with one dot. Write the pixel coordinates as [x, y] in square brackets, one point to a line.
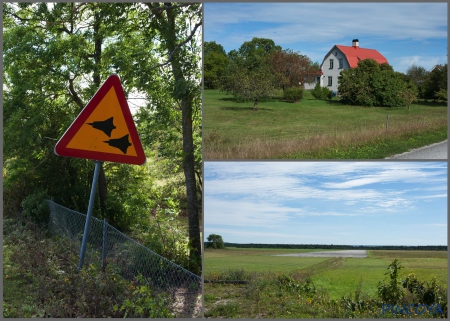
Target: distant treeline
[338, 247]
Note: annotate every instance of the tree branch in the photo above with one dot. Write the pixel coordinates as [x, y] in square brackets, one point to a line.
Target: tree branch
[74, 94]
[169, 59]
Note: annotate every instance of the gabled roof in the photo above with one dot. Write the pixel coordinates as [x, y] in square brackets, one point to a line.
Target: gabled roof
[355, 54]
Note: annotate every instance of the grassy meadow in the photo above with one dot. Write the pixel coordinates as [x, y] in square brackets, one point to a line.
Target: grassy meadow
[315, 128]
[335, 281]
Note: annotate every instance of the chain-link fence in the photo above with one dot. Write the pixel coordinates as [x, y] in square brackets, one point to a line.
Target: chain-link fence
[106, 245]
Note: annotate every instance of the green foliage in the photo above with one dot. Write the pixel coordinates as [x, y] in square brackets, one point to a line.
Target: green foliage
[371, 84]
[392, 292]
[248, 76]
[41, 280]
[254, 54]
[306, 288]
[215, 242]
[55, 58]
[416, 75]
[215, 64]
[144, 303]
[248, 85]
[435, 83]
[289, 295]
[165, 234]
[321, 93]
[441, 94]
[293, 94]
[35, 208]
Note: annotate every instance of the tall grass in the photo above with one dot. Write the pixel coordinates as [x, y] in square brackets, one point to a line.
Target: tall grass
[365, 142]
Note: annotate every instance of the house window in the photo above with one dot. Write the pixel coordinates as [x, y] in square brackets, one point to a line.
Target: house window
[341, 63]
[317, 79]
[331, 63]
[330, 81]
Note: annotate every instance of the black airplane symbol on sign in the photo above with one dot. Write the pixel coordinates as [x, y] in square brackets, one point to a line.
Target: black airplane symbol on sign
[120, 143]
[105, 126]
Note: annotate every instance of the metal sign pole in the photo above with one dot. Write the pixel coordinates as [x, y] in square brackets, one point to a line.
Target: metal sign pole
[89, 213]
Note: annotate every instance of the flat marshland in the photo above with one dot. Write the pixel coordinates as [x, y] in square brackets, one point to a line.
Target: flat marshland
[316, 128]
[297, 287]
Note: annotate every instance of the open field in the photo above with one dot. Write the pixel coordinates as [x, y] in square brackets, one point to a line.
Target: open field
[315, 128]
[334, 278]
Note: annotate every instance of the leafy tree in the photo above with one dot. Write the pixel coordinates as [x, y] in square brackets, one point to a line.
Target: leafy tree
[177, 29]
[215, 64]
[248, 76]
[290, 68]
[215, 242]
[371, 84]
[409, 94]
[52, 62]
[249, 85]
[417, 75]
[254, 54]
[55, 57]
[435, 84]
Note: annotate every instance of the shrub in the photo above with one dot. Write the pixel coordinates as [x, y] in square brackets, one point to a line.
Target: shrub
[321, 93]
[372, 84]
[392, 292]
[35, 208]
[144, 304]
[293, 94]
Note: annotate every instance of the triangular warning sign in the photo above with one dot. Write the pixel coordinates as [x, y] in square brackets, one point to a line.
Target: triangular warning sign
[104, 130]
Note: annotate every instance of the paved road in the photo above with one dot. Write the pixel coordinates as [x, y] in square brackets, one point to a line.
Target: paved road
[434, 151]
[343, 253]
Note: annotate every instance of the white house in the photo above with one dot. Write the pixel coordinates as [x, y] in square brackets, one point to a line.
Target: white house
[341, 58]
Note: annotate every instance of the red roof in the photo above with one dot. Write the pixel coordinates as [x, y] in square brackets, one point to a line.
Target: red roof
[355, 54]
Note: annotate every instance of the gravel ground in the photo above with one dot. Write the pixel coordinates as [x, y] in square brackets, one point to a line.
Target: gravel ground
[344, 253]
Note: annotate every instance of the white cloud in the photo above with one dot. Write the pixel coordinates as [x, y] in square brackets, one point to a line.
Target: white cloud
[300, 22]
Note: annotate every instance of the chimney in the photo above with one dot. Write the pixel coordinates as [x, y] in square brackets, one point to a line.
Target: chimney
[355, 43]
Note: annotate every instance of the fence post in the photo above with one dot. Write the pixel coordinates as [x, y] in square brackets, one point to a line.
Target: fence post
[387, 122]
[105, 233]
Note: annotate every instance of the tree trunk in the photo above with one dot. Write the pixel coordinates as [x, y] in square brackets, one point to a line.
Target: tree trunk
[191, 187]
[255, 104]
[168, 30]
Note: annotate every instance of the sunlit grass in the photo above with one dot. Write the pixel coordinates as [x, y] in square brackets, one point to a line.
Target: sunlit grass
[315, 129]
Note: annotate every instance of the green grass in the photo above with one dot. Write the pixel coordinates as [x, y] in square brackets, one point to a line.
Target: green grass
[258, 260]
[334, 278]
[315, 128]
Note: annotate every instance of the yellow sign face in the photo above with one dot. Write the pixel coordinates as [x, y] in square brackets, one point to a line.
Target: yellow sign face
[93, 134]
[104, 130]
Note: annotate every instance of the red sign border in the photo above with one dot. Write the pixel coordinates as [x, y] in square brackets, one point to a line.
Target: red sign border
[61, 146]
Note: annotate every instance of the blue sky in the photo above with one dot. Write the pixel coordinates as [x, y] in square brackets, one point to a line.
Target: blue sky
[354, 203]
[405, 33]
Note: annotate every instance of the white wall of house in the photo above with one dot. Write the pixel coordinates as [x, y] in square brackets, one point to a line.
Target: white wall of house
[311, 85]
[332, 65]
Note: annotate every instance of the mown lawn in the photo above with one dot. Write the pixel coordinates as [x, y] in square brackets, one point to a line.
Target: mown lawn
[315, 128]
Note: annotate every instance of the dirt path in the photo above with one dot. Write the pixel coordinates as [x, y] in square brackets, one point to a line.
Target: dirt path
[344, 253]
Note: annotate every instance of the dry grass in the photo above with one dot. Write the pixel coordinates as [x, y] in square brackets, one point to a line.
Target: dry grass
[314, 143]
